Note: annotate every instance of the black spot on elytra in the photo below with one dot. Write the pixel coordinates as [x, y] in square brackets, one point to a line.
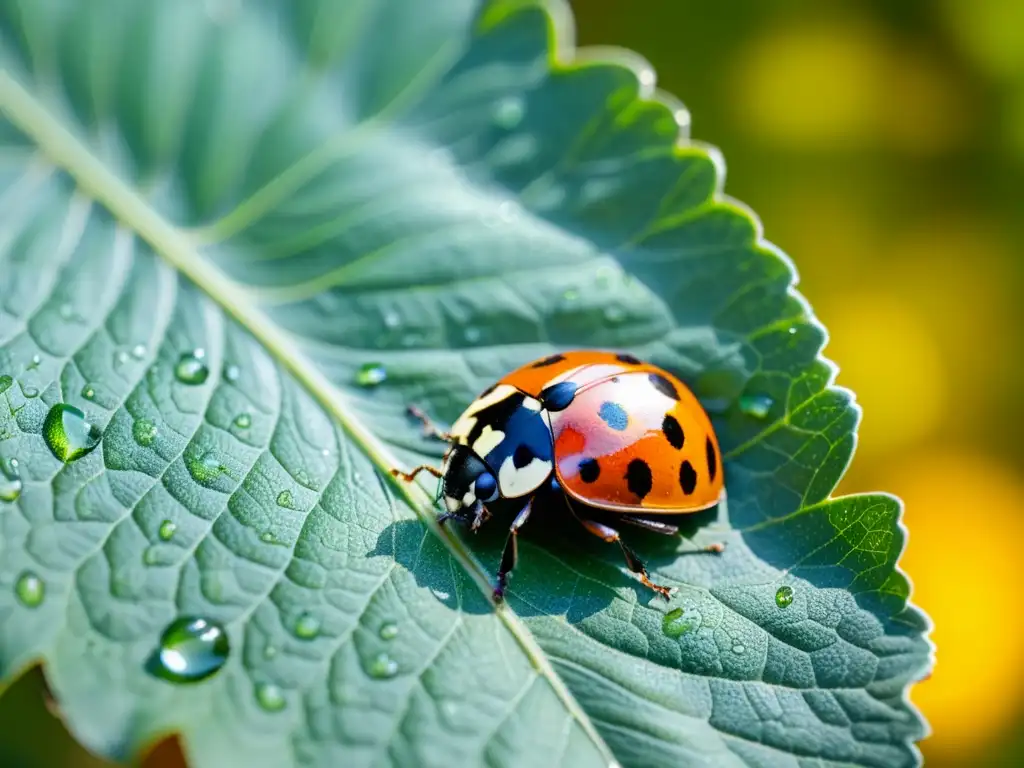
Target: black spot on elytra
[628, 359]
[687, 478]
[712, 458]
[551, 360]
[663, 385]
[589, 470]
[673, 432]
[558, 396]
[638, 477]
[523, 455]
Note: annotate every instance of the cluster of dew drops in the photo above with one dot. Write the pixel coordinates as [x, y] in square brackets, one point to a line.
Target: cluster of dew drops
[193, 648]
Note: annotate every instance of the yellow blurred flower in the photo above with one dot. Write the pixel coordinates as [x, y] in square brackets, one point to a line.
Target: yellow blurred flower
[844, 84]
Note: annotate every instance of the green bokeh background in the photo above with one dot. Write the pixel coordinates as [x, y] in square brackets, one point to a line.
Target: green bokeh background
[882, 144]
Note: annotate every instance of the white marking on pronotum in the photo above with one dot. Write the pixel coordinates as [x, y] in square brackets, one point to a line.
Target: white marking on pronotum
[515, 481]
[490, 438]
[452, 504]
[464, 424]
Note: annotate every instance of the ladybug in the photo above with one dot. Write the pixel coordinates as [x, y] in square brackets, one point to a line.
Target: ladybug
[604, 431]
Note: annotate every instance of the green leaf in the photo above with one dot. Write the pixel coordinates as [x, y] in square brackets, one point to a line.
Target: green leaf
[299, 190]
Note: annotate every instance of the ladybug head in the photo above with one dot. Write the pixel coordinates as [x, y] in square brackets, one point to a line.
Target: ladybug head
[467, 482]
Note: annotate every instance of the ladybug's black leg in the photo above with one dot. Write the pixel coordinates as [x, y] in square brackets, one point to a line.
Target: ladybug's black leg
[635, 565]
[430, 429]
[511, 551]
[651, 525]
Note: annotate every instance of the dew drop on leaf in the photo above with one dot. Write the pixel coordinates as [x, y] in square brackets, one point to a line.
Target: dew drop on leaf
[391, 319]
[472, 334]
[570, 295]
[383, 667]
[370, 374]
[191, 649]
[30, 590]
[35, 362]
[286, 499]
[88, 392]
[509, 112]
[243, 421]
[10, 481]
[30, 391]
[5, 383]
[67, 434]
[307, 626]
[784, 596]
[388, 631]
[270, 697]
[67, 312]
[739, 649]
[231, 373]
[614, 314]
[191, 368]
[758, 406]
[167, 530]
[679, 622]
[205, 469]
[144, 432]
[139, 351]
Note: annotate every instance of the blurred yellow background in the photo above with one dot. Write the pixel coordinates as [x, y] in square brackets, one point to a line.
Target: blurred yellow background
[882, 144]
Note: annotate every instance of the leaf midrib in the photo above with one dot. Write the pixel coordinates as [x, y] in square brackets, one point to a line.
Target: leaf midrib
[180, 250]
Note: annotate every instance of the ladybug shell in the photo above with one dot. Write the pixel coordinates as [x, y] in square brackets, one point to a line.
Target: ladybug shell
[633, 438]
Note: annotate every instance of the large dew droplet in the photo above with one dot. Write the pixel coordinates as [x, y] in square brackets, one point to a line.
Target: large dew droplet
[388, 631]
[192, 368]
[67, 434]
[30, 590]
[784, 596]
[679, 622]
[383, 667]
[167, 530]
[191, 649]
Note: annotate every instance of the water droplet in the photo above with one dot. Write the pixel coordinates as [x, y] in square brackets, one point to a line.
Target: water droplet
[739, 649]
[646, 77]
[35, 362]
[30, 590]
[391, 319]
[285, 499]
[509, 112]
[508, 212]
[139, 351]
[792, 331]
[604, 275]
[232, 372]
[88, 392]
[191, 649]
[67, 312]
[10, 481]
[472, 334]
[269, 652]
[205, 469]
[758, 406]
[614, 314]
[679, 622]
[243, 421]
[571, 295]
[167, 530]
[270, 697]
[144, 432]
[67, 434]
[370, 374]
[150, 556]
[191, 369]
[267, 538]
[307, 626]
[784, 596]
[388, 631]
[382, 667]
[121, 357]
[5, 383]
[30, 391]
